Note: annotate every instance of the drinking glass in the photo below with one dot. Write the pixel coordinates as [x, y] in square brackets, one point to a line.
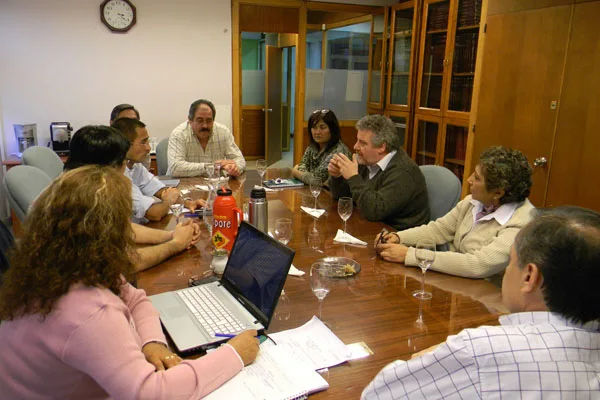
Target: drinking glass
[177, 208]
[345, 209]
[315, 188]
[314, 240]
[283, 230]
[207, 216]
[425, 255]
[261, 168]
[210, 170]
[321, 277]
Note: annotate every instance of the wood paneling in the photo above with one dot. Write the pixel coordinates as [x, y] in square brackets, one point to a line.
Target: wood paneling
[255, 18]
[523, 63]
[253, 126]
[575, 163]
[510, 6]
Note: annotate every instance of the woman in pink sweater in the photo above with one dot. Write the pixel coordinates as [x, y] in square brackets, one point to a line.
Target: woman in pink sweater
[72, 327]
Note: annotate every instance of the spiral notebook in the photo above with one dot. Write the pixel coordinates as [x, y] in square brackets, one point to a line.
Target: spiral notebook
[276, 374]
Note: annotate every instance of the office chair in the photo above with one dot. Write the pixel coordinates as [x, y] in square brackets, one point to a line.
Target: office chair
[45, 159]
[443, 189]
[24, 183]
[162, 160]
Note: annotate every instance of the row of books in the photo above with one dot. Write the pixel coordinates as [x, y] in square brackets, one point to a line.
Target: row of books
[469, 12]
[428, 139]
[456, 142]
[461, 92]
[456, 169]
[438, 16]
[465, 51]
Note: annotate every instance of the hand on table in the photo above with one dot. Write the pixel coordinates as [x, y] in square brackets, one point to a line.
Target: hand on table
[230, 167]
[160, 356]
[184, 234]
[388, 237]
[246, 345]
[192, 205]
[342, 165]
[170, 195]
[394, 252]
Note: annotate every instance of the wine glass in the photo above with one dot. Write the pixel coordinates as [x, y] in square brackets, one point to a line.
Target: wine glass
[210, 170]
[177, 208]
[314, 240]
[261, 168]
[425, 254]
[345, 209]
[315, 188]
[283, 230]
[320, 282]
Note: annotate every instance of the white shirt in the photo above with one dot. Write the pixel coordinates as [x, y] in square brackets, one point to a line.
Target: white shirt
[187, 157]
[381, 165]
[532, 355]
[143, 187]
[502, 214]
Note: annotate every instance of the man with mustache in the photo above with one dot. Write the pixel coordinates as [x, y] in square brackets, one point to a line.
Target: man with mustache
[200, 141]
[382, 180]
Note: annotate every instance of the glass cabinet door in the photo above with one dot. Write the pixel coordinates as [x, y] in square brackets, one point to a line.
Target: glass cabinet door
[401, 49]
[435, 32]
[455, 147]
[377, 63]
[426, 144]
[401, 120]
[464, 55]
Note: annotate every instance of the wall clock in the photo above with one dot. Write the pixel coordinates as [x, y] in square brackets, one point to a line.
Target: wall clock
[117, 15]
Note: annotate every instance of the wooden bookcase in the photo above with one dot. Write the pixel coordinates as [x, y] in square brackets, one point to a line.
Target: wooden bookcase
[430, 76]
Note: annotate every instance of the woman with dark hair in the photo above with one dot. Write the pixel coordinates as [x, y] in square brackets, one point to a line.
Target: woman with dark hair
[72, 327]
[481, 228]
[325, 141]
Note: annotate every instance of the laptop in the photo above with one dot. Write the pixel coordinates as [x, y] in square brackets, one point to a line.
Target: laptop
[249, 289]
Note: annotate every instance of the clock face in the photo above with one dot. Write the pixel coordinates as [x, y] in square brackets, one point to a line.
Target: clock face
[118, 15]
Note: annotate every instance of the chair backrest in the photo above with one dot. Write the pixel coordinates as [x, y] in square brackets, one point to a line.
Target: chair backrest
[443, 189]
[24, 183]
[162, 161]
[45, 159]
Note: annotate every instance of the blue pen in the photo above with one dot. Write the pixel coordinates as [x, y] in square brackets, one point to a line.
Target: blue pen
[227, 335]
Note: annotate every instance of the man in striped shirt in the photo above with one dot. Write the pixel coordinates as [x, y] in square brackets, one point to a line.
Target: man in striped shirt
[200, 141]
[549, 347]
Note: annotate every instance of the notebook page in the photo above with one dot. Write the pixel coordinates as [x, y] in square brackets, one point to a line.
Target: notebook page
[274, 375]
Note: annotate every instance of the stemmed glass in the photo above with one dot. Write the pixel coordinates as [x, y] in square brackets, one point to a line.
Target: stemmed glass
[315, 188]
[314, 239]
[210, 173]
[177, 208]
[283, 230]
[425, 254]
[345, 209]
[261, 168]
[320, 282]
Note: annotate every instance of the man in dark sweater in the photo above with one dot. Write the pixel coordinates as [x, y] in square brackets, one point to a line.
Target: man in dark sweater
[382, 180]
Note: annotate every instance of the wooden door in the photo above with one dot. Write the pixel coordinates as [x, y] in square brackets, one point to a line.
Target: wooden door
[523, 62]
[273, 109]
[575, 165]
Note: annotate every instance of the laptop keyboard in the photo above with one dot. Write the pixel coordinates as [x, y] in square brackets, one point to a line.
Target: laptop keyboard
[209, 310]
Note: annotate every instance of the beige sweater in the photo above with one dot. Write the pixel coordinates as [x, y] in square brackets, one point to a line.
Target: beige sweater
[476, 251]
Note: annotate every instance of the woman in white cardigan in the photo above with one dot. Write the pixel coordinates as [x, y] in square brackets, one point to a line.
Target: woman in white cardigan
[481, 228]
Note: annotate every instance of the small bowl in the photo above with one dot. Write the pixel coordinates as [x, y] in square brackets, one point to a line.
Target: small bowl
[347, 266]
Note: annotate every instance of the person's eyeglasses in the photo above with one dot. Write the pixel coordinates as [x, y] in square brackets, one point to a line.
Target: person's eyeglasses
[323, 111]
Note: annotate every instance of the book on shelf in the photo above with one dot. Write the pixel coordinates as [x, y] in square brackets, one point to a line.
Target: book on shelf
[276, 374]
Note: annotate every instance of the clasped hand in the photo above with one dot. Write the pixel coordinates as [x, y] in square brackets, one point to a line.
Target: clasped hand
[389, 248]
[341, 165]
[230, 167]
[160, 356]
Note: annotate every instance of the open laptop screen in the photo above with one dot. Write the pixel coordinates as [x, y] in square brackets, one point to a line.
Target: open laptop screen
[256, 269]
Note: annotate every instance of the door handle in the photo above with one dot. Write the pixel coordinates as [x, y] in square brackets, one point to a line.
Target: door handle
[268, 109]
[540, 162]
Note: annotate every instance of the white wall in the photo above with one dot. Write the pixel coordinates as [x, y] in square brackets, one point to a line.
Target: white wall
[58, 62]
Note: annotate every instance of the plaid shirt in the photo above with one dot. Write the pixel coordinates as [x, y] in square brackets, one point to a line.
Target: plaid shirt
[187, 157]
[314, 161]
[532, 355]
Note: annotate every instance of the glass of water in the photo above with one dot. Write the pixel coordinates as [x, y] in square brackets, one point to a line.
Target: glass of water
[261, 168]
[425, 255]
[345, 209]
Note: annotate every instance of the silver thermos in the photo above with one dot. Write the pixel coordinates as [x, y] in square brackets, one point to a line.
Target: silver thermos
[258, 210]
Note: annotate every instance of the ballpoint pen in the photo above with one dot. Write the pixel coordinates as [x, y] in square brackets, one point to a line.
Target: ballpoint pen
[381, 234]
[261, 338]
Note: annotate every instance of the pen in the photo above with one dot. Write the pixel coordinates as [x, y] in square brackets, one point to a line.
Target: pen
[227, 335]
[383, 232]
[193, 215]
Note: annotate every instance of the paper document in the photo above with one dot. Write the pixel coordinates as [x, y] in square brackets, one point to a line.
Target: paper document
[315, 343]
[274, 375]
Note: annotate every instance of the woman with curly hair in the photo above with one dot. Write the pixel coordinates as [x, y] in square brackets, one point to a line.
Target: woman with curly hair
[72, 327]
[481, 228]
[325, 141]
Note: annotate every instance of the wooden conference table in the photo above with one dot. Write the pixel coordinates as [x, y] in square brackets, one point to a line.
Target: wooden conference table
[375, 307]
